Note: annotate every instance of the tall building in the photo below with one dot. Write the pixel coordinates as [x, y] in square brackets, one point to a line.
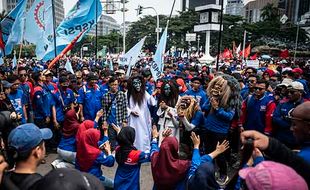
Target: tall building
[253, 9]
[105, 26]
[294, 9]
[8, 5]
[235, 7]
[192, 4]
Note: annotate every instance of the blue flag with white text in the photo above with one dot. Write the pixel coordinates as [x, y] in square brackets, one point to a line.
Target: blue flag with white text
[12, 27]
[39, 26]
[81, 17]
[157, 66]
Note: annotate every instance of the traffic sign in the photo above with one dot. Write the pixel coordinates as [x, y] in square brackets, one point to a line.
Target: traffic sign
[283, 19]
[190, 37]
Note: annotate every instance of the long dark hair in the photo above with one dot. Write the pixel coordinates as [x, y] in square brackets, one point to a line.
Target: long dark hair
[137, 97]
[172, 99]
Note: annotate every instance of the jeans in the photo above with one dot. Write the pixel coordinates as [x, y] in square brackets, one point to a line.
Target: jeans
[67, 156]
[107, 182]
[212, 138]
[112, 137]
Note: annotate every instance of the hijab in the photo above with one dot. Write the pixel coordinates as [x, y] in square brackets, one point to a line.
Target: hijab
[87, 124]
[204, 178]
[167, 168]
[88, 150]
[125, 139]
[71, 124]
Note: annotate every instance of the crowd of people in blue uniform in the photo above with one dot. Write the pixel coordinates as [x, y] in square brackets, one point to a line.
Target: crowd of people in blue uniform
[98, 117]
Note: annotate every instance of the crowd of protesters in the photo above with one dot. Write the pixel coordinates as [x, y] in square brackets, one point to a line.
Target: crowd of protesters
[237, 127]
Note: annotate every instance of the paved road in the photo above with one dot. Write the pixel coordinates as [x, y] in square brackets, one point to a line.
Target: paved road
[146, 180]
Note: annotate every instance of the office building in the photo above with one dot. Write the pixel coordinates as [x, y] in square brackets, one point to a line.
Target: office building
[234, 7]
[8, 5]
[253, 9]
[192, 4]
[105, 26]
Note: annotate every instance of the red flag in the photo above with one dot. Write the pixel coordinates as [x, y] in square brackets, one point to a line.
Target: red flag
[227, 54]
[253, 57]
[2, 44]
[284, 54]
[247, 51]
[68, 48]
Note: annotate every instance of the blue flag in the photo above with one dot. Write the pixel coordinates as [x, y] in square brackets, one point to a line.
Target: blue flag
[1, 61]
[158, 65]
[12, 27]
[68, 66]
[39, 25]
[81, 17]
[14, 64]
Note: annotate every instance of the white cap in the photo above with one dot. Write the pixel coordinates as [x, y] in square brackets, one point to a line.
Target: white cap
[297, 86]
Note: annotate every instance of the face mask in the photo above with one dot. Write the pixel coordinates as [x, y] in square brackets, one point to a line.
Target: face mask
[137, 84]
[167, 89]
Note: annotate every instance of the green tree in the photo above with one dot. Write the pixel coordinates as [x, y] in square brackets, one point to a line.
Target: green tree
[270, 13]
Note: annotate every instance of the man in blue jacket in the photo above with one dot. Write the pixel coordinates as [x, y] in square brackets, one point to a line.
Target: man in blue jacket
[280, 118]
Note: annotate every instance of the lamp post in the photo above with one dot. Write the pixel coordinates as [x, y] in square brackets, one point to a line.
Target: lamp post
[139, 11]
[81, 51]
[124, 26]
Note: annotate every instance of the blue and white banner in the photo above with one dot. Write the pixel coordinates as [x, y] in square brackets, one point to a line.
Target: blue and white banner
[158, 64]
[39, 26]
[130, 58]
[12, 27]
[82, 17]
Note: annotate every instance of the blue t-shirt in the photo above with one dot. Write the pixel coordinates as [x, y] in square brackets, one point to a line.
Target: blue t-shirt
[112, 116]
[18, 100]
[305, 152]
[67, 143]
[67, 97]
[199, 95]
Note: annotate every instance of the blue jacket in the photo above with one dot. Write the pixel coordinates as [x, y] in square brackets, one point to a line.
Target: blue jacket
[67, 143]
[90, 98]
[40, 103]
[219, 121]
[283, 132]
[257, 114]
[127, 175]
[305, 152]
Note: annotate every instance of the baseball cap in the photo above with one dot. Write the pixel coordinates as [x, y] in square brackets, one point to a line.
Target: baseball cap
[47, 72]
[296, 86]
[120, 71]
[92, 76]
[68, 179]
[297, 70]
[6, 84]
[27, 136]
[272, 175]
[286, 82]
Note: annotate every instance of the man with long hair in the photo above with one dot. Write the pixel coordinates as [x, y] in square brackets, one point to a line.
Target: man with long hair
[139, 113]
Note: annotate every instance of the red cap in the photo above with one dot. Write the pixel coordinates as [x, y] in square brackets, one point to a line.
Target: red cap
[297, 70]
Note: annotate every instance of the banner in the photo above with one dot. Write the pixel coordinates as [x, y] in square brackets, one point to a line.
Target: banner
[252, 63]
[12, 27]
[81, 17]
[68, 66]
[39, 25]
[130, 58]
[158, 65]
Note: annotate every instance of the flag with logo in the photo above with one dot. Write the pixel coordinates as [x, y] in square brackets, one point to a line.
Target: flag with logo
[39, 25]
[130, 58]
[82, 16]
[158, 65]
[12, 27]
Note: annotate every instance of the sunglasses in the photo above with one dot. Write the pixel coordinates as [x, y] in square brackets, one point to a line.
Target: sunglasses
[249, 72]
[291, 117]
[259, 88]
[23, 75]
[251, 81]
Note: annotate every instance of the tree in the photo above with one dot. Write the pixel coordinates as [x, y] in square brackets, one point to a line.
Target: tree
[270, 13]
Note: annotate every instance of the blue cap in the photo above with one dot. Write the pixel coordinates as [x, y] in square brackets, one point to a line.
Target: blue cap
[103, 140]
[27, 136]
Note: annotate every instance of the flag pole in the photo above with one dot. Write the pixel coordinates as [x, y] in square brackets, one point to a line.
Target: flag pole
[170, 13]
[96, 40]
[220, 37]
[54, 32]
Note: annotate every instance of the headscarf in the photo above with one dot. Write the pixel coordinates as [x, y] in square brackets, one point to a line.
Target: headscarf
[167, 168]
[71, 124]
[204, 178]
[88, 150]
[125, 139]
[181, 83]
[87, 124]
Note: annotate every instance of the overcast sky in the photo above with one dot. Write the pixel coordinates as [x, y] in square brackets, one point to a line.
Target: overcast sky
[161, 6]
